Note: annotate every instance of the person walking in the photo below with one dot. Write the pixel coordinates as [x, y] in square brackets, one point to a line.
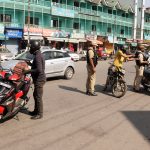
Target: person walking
[92, 61]
[140, 64]
[38, 75]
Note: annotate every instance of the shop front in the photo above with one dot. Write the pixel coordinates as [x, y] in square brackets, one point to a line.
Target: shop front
[13, 37]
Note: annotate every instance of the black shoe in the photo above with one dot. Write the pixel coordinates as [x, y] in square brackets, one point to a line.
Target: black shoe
[87, 93]
[36, 117]
[32, 113]
[92, 94]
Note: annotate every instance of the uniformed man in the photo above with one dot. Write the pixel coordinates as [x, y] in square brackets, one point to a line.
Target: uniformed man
[140, 63]
[92, 60]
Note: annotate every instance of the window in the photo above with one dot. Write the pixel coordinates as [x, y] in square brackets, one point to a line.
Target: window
[123, 15]
[58, 55]
[109, 30]
[48, 55]
[56, 23]
[76, 25]
[93, 27]
[76, 4]
[109, 11]
[94, 7]
[33, 21]
[5, 18]
[122, 31]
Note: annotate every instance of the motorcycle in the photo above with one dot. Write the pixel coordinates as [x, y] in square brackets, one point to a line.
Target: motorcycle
[146, 74]
[13, 93]
[116, 80]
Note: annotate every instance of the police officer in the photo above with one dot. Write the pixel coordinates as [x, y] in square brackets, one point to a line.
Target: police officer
[92, 60]
[140, 63]
[38, 75]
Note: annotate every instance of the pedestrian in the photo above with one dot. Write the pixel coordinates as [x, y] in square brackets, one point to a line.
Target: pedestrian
[140, 64]
[38, 75]
[92, 61]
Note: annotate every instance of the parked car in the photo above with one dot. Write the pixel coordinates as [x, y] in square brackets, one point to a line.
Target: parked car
[82, 55]
[74, 56]
[102, 54]
[57, 63]
[5, 54]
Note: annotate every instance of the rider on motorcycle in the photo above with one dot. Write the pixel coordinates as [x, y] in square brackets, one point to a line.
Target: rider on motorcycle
[120, 57]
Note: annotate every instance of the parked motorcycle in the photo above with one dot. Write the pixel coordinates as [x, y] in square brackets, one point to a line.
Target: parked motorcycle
[13, 93]
[116, 80]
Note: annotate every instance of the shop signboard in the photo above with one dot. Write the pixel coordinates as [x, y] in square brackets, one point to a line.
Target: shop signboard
[147, 37]
[57, 11]
[33, 31]
[55, 33]
[13, 33]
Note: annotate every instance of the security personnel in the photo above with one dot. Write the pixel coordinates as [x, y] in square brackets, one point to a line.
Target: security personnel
[92, 61]
[38, 75]
[140, 63]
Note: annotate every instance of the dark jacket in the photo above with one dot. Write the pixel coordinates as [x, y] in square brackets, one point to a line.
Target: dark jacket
[95, 58]
[38, 68]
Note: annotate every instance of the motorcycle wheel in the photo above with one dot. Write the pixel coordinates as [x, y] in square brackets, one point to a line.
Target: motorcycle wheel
[119, 89]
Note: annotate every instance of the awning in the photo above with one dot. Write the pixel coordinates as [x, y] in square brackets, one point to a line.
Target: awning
[34, 37]
[73, 41]
[97, 42]
[57, 39]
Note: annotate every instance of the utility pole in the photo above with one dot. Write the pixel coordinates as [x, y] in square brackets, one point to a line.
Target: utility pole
[28, 23]
[114, 35]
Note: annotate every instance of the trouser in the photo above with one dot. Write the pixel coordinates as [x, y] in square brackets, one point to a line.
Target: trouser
[37, 94]
[138, 77]
[90, 83]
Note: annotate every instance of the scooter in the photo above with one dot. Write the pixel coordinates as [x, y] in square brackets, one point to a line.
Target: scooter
[13, 93]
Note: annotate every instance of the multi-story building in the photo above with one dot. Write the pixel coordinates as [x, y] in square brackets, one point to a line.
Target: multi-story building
[71, 21]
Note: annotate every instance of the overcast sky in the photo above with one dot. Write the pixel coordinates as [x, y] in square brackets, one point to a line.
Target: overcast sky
[147, 3]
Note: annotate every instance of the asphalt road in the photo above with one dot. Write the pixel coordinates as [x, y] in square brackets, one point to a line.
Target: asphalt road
[75, 121]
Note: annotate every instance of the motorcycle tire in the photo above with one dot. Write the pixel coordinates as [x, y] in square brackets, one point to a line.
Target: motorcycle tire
[119, 88]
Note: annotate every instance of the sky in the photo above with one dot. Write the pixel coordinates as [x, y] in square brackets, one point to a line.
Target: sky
[147, 3]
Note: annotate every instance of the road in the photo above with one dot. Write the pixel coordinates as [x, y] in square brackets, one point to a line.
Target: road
[75, 121]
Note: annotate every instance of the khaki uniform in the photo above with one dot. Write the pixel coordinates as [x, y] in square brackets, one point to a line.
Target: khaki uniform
[90, 84]
[139, 73]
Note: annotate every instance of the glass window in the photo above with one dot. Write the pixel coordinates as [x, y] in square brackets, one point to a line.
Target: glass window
[58, 55]
[25, 56]
[48, 55]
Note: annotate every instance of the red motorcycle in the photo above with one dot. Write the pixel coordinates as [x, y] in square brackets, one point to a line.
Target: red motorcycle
[13, 93]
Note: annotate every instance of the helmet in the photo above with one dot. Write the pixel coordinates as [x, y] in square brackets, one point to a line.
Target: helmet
[124, 48]
[34, 46]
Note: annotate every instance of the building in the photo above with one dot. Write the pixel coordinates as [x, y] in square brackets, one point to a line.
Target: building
[67, 21]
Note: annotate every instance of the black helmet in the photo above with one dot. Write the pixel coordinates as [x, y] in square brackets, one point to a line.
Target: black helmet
[124, 48]
[34, 46]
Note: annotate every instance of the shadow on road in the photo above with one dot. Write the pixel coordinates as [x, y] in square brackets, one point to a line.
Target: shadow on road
[99, 88]
[71, 89]
[140, 120]
[130, 88]
[24, 110]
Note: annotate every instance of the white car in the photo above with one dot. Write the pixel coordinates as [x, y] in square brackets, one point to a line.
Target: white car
[74, 56]
[5, 54]
[57, 63]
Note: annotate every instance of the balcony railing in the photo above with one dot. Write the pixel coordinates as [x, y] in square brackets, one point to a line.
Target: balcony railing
[40, 3]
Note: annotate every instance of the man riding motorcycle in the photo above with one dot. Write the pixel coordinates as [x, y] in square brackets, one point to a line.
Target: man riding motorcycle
[120, 57]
